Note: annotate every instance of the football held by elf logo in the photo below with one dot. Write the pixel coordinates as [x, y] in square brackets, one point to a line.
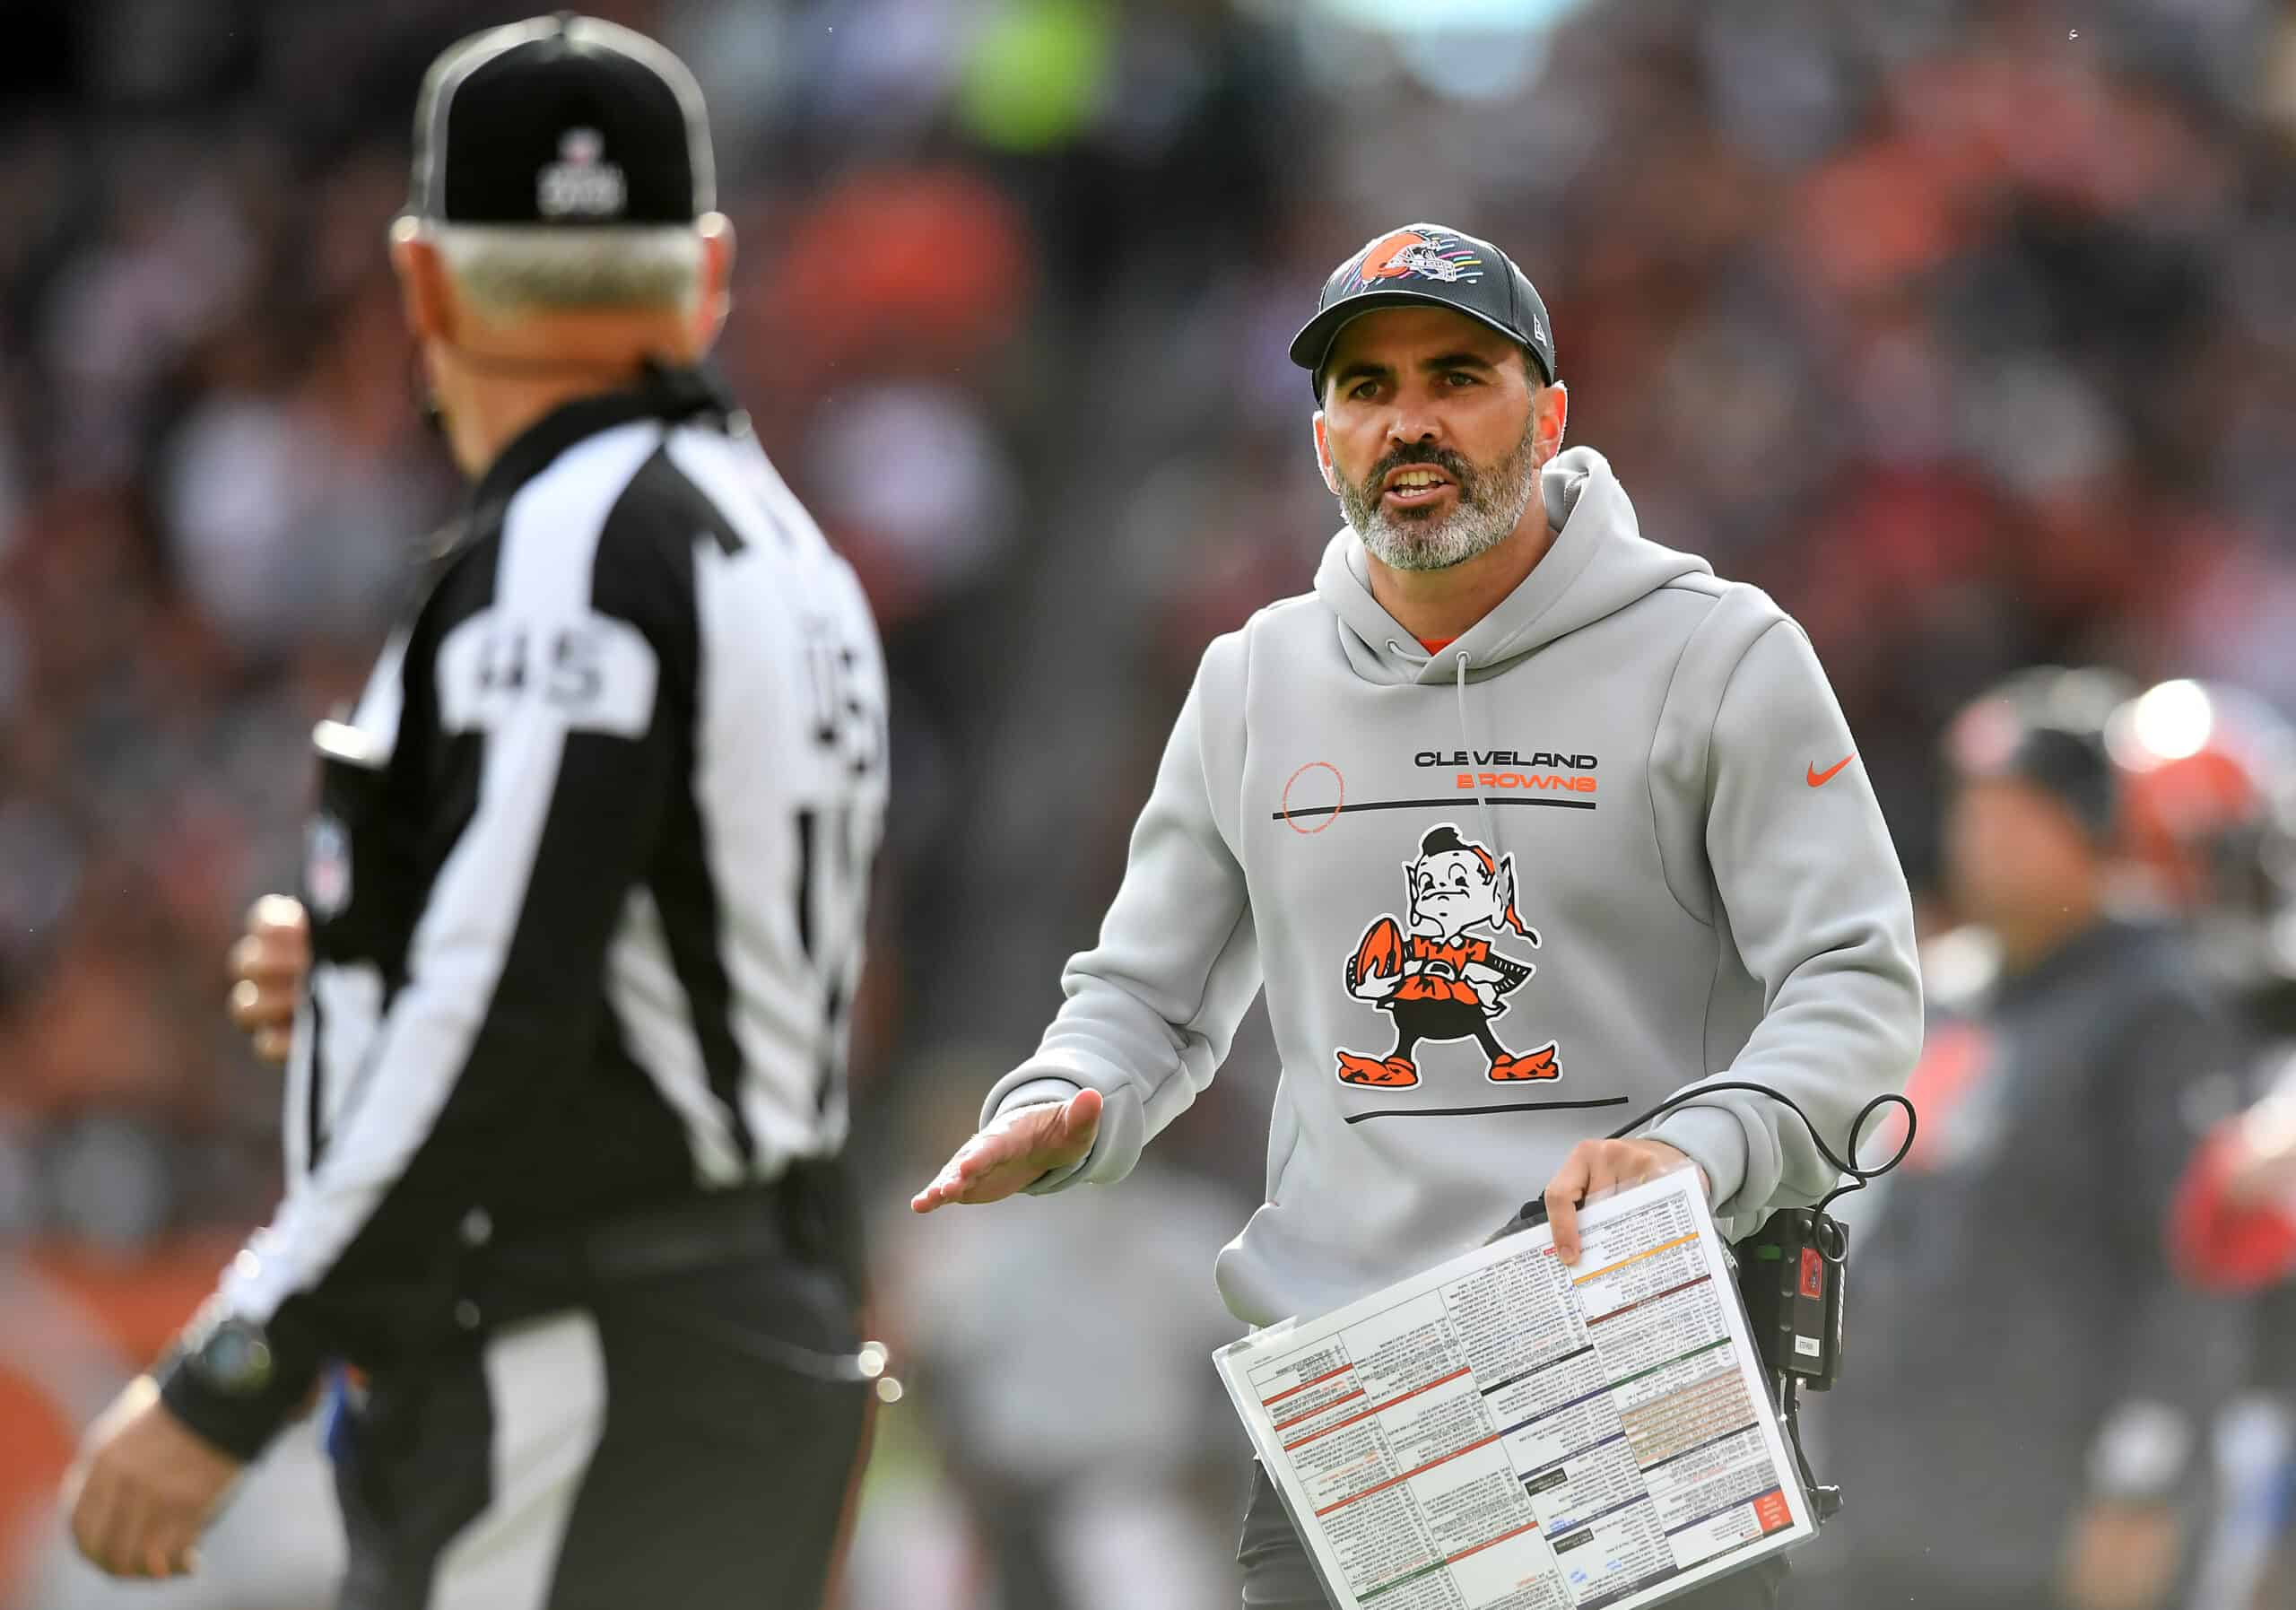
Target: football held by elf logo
[1479, 955]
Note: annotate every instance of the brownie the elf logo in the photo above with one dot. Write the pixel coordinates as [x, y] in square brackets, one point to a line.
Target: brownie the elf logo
[1435, 975]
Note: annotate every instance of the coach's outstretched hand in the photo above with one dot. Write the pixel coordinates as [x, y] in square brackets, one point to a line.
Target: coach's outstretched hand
[1015, 1152]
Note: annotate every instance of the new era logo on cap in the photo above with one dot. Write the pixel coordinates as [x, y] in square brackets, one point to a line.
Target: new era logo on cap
[561, 120]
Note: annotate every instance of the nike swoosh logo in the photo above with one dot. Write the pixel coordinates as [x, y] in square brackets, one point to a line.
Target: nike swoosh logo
[1819, 780]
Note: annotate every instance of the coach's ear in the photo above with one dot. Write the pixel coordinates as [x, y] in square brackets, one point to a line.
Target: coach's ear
[428, 304]
[1323, 455]
[1551, 406]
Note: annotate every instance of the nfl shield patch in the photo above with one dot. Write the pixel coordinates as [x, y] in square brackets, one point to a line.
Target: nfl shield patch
[326, 868]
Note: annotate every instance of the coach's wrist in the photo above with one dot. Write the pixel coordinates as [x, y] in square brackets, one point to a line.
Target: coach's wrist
[1712, 1139]
[1048, 1091]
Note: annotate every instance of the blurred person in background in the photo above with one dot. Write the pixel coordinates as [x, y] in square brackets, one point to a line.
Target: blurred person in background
[2234, 1232]
[2206, 776]
[585, 896]
[2025, 1425]
[1489, 628]
[2208, 780]
[2236, 1213]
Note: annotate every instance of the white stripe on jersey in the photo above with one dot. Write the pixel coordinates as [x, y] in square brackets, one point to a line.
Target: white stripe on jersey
[295, 1130]
[350, 1001]
[380, 703]
[546, 1403]
[376, 717]
[543, 580]
[736, 475]
[656, 1019]
[768, 616]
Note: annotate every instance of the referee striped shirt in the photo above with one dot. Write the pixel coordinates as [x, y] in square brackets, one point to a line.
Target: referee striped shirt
[588, 880]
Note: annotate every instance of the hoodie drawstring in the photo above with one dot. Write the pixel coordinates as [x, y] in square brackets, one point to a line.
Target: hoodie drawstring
[1467, 736]
[1467, 742]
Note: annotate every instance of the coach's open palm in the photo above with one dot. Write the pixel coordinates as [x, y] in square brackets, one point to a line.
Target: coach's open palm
[1015, 1152]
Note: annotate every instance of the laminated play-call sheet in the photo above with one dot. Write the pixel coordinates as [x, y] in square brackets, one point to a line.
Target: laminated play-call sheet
[1502, 1431]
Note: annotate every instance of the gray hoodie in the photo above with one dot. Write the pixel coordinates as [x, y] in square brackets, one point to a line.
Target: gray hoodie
[1608, 844]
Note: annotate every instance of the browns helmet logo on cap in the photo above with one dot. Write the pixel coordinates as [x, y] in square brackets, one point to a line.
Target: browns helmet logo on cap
[1428, 263]
[1408, 253]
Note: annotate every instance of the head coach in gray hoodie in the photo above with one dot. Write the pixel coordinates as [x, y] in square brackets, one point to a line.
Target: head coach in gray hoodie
[1524, 822]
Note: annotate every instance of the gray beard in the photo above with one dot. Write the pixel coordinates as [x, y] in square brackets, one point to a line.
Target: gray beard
[1490, 506]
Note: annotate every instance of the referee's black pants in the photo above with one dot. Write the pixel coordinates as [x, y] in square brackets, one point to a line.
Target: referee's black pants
[676, 1439]
[1277, 1575]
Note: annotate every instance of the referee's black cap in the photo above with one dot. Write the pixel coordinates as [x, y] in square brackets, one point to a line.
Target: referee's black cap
[557, 121]
[1428, 265]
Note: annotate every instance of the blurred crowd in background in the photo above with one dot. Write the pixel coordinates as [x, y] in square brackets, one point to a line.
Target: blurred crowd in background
[1964, 326]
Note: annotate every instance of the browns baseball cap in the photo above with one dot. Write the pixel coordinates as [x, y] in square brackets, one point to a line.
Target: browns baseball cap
[557, 121]
[1425, 264]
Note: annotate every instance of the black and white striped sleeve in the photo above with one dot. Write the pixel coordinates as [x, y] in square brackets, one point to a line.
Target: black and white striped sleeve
[553, 717]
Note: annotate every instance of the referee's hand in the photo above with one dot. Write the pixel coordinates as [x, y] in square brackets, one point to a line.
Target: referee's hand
[267, 967]
[144, 1488]
[1015, 1152]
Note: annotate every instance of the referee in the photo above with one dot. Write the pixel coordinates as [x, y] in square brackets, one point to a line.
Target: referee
[585, 894]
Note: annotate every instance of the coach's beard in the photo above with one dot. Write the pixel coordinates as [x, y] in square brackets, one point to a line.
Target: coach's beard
[1490, 505]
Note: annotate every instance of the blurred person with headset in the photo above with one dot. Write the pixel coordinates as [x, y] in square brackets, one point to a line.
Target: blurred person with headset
[584, 898]
[2034, 1382]
[2208, 774]
[1340, 812]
